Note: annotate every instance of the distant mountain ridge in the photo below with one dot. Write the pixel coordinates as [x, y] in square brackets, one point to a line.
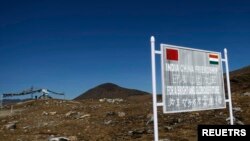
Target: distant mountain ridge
[240, 80]
[109, 90]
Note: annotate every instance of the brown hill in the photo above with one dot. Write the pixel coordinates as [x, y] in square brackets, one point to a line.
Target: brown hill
[131, 119]
[92, 120]
[109, 90]
[240, 80]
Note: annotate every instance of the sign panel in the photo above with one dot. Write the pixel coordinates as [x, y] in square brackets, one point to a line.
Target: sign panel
[192, 79]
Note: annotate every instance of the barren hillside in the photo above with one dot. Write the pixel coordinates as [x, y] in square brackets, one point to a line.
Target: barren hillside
[240, 80]
[99, 115]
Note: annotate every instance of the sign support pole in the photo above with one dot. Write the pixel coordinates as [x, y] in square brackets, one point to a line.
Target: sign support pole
[228, 88]
[152, 40]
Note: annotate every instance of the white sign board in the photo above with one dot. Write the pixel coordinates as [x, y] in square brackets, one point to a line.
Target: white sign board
[192, 79]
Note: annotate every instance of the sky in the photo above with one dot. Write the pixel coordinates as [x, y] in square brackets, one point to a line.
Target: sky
[71, 46]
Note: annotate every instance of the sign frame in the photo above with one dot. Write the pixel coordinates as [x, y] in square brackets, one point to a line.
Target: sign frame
[168, 46]
[154, 91]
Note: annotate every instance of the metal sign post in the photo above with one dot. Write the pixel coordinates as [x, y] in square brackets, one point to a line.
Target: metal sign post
[154, 88]
[192, 80]
[229, 100]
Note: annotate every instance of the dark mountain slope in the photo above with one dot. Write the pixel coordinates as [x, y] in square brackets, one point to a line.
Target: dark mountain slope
[109, 90]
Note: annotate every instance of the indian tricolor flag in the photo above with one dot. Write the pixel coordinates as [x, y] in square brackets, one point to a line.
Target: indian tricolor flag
[213, 58]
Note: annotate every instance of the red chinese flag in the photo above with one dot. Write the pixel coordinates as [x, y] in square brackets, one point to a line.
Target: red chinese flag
[172, 54]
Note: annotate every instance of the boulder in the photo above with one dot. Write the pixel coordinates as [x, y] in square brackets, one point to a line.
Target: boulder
[44, 113]
[11, 125]
[246, 94]
[52, 113]
[58, 139]
[237, 109]
[107, 122]
[102, 100]
[121, 114]
[73, 138]
[71, 113]
[150, 118]
[83, 116]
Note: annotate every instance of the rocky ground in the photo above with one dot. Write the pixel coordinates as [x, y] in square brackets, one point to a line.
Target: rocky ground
[108, 119]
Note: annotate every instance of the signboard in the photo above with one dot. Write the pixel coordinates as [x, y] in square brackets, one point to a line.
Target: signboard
[192, 79]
